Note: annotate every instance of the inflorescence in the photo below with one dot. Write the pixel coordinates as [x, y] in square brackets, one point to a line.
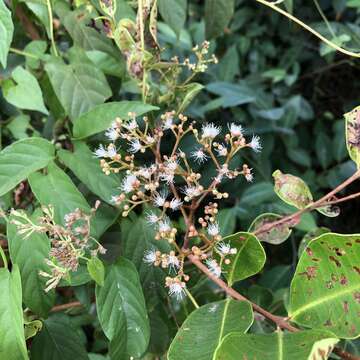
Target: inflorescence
[171, 183]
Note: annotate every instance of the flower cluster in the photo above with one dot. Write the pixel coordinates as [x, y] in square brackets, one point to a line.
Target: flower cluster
[172, 184]
[69, 243]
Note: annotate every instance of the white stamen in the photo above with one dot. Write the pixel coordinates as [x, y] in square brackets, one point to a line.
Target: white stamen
[129, 183]
[210, 131]
[213, 229]
[175, 204]
[135, 146]
[213, 267]
[236, 130]
[255, 143]
[199, 155]
[150, 257]
[159, 199]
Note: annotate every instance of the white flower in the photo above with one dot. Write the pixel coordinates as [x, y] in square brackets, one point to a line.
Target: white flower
[210, 131]
[213, 229]
[101, 152]
[255, 143]
[225, 249]
[222, 150]
[111, 151]
[191, 191]
[213, 267]
[129, 183]
[144, 172]
[173, 261]
[112, 134]
[171, 165]
[168, 123]
[167, 177]
[131, 125]
[175, 204]
[249, 176]
[159, 199]
[177, 289]
[164, 225]
[150, 256]
[236, 130]
[151, 218]
[199, 155]
[135, 146]
[150, 140]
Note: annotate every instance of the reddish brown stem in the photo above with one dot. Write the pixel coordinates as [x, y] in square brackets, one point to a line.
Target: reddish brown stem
[70, 305]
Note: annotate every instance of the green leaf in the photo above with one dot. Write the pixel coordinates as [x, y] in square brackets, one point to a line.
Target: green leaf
[204, 328]
[100, 118]
[227, 221]
[108, 64]
[25, 92]
[12, 337]
[33, 285]
[32, 328]
[218, 14]
[58, 340]
[352, 130]
[96, 270]
[249, 259]
[310, 236]
[323, 147]
[302, 345]
[84, 36]
[292, 190]
[82, 162]
[56, 188]
[121, 300]
[19, 125]
[36, 48]
[21, 158]
[6, 32]
[325, 291]
[277, 235]
[174, 13]
[187, 94]
[79, 86]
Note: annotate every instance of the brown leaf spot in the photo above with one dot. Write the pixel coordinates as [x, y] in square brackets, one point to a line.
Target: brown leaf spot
[329, 284]
[339, 251]
[343, 280]
[348, 244]
[357, 241]
[346, 306]
[336, 261]
[328, 323]
[310, 272]
[357, 269]
[334, 277]
[309, 251]
[357, 296]
[315, 259]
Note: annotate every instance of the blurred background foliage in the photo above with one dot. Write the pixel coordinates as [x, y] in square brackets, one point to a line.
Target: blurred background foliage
[275, 79]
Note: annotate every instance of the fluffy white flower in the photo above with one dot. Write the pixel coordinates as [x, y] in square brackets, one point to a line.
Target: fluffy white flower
[191, 191]
[151, 218]
[101, 152]
[173, 261]
[171, 165]
[213, 267]
[129, 183]
[150, 256]
[249, 176]
[199, 155]
[144, 172]
[177, 289]
[236, 130]
[168, 123]
[159, 199]
[112, 134]
[225, 249]
[164, 225]
[213, 229]
[135, 146]
[111, 151]
[131, 125]
[175, 204]
[255, 143]
[210, 131]
[167, 177]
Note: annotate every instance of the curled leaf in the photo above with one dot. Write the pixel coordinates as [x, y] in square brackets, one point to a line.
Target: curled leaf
[352, 131]
[276, 235]
[292, 190]
[329, 210]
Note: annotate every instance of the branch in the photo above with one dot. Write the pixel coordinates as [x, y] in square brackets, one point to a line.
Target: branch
[70, 305]
[319, 203]
[280, 321]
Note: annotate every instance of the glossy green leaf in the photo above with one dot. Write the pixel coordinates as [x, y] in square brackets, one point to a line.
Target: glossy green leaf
[24, 91]
[325, 291]
[79, 86]
[174, 13]
[96, 270]
[58, 340]
[227, 221]
[82, 162]
[12, 337]
[276, 235]
[218, 14]
[100, 118]
[305, 345]
[33, 285]
[121, 301]
[21, 158]
[203, 330]
[352, 130]
[56, 188]
[37, 48]
[6, 32]
[249, 259]
[292, 190]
